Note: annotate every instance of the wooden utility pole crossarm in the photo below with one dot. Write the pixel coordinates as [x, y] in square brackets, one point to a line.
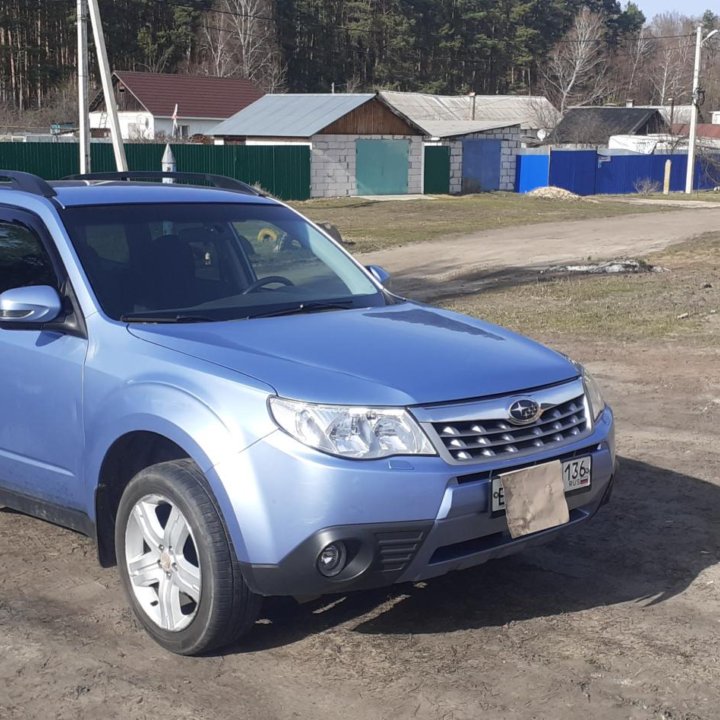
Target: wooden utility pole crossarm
[105, 76]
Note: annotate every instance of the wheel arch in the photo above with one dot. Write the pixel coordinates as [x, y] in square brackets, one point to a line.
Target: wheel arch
[148, 423]
[125, 458]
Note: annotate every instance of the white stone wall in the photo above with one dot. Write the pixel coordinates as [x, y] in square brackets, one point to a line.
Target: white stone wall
[144, 126]
[333, 164]
[511, 143]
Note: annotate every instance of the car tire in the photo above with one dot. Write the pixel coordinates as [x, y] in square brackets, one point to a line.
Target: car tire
[177, 564]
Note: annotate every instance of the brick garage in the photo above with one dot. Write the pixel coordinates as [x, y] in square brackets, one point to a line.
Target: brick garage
[461, 168]
[359, 145]
[335, 160]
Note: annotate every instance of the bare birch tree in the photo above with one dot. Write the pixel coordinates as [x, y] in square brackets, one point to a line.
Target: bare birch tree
[576, 70]
[671, 69]
[239, 38]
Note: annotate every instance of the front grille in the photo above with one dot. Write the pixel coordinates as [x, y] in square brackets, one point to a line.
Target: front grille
[498, 437]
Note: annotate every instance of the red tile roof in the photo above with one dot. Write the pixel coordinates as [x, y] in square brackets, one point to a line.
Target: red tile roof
[703, 130]
[197, 96]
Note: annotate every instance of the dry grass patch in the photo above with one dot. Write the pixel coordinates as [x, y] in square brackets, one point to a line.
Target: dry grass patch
[368, 225]
[681, 302]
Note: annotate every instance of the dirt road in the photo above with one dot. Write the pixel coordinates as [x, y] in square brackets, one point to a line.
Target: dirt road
[619, 620]
[442, 266]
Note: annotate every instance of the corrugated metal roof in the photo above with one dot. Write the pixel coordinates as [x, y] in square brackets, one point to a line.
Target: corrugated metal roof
[296, 115]
[456, 128]
[529, 111]
[707, 130]
[594, 125]
[672, 113]
[197, 96]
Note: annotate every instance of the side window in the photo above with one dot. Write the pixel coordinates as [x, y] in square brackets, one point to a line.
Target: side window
[23, 259]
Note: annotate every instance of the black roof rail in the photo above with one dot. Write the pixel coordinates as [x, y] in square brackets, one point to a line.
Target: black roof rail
[218, 181]
[27, 182]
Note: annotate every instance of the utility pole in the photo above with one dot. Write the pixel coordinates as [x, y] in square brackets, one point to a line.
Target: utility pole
[83, 117]
[699, 42]
[105, 76]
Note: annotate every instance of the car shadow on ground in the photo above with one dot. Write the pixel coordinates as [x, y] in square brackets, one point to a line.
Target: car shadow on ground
[428, 289]
[660, 531]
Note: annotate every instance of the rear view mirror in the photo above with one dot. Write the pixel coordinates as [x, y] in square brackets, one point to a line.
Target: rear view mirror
[380, 274]
[34, 305]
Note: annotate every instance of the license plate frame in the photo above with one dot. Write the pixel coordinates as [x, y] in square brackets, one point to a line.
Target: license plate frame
[576, 475]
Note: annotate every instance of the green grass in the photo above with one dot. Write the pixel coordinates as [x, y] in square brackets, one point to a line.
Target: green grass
[368, 225]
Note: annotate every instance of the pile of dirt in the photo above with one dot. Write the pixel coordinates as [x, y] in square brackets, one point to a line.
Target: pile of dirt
[553, 193]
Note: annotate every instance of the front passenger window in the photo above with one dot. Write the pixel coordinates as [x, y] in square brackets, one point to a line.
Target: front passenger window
[23, 259]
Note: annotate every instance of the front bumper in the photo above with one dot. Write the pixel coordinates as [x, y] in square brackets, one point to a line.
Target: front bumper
[401, 520]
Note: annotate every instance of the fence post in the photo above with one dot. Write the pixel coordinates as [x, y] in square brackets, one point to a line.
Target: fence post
[168, 162]
[666, 179]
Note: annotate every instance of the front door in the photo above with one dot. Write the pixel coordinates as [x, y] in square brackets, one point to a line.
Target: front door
[41, 371]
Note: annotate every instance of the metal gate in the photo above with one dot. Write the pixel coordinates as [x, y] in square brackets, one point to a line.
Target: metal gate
[437, 170]
[481, 165]
[382, 167]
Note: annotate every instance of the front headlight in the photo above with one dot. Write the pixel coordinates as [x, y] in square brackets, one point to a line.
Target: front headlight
[353, 432]
[592, 393]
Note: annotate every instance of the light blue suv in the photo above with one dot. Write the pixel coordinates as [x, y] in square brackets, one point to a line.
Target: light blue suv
[217, 392]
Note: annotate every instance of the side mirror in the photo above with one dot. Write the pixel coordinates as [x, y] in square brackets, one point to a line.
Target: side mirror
[34, 305]
[380, 274]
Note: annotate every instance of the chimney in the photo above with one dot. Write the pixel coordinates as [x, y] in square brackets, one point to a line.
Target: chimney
[629, 103]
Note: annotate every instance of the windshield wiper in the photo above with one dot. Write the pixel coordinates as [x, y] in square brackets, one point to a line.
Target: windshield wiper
[164, 318]
[308, 307]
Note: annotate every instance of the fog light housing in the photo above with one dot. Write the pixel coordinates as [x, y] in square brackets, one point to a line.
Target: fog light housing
[332, 559]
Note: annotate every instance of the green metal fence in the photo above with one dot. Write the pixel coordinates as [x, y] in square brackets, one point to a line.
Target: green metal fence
[282, 170]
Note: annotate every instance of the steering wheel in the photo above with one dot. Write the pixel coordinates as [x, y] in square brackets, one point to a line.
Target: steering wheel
[269, 280]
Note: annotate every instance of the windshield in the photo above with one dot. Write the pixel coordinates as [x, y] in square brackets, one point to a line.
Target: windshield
[208, 261]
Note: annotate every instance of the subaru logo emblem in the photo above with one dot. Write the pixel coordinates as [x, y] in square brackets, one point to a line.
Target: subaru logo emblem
[523, 412]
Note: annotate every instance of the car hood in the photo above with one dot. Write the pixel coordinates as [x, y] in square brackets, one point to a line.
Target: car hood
[405, 354]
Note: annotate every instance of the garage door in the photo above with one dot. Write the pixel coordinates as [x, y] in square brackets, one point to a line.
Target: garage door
[382, 167]
[481, 165]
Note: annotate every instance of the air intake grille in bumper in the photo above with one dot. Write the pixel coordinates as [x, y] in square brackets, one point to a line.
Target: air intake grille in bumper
[397, 549]
[498, 437]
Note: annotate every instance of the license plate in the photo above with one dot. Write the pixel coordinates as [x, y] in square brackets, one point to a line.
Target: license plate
[576, 474]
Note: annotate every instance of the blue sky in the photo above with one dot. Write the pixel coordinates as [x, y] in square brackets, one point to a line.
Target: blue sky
[685, 7]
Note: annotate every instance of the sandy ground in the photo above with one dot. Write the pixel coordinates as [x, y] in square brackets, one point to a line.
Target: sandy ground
[442, 267]
[619, 619]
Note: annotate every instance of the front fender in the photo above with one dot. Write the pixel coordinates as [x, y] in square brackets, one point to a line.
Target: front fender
[179, 416]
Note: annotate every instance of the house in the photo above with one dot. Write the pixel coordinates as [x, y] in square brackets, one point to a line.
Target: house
[359, 145]
[472, 140]
[593, 126]
[707, 135]
[147, 103]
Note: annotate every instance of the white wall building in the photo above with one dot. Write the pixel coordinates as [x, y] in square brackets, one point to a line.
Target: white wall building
[154, 106]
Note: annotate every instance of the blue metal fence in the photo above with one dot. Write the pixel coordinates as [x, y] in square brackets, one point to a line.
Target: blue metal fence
[587, 172]
[531, 171]
[574, 170]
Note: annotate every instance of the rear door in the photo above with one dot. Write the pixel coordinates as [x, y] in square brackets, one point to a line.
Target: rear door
[41, 371]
